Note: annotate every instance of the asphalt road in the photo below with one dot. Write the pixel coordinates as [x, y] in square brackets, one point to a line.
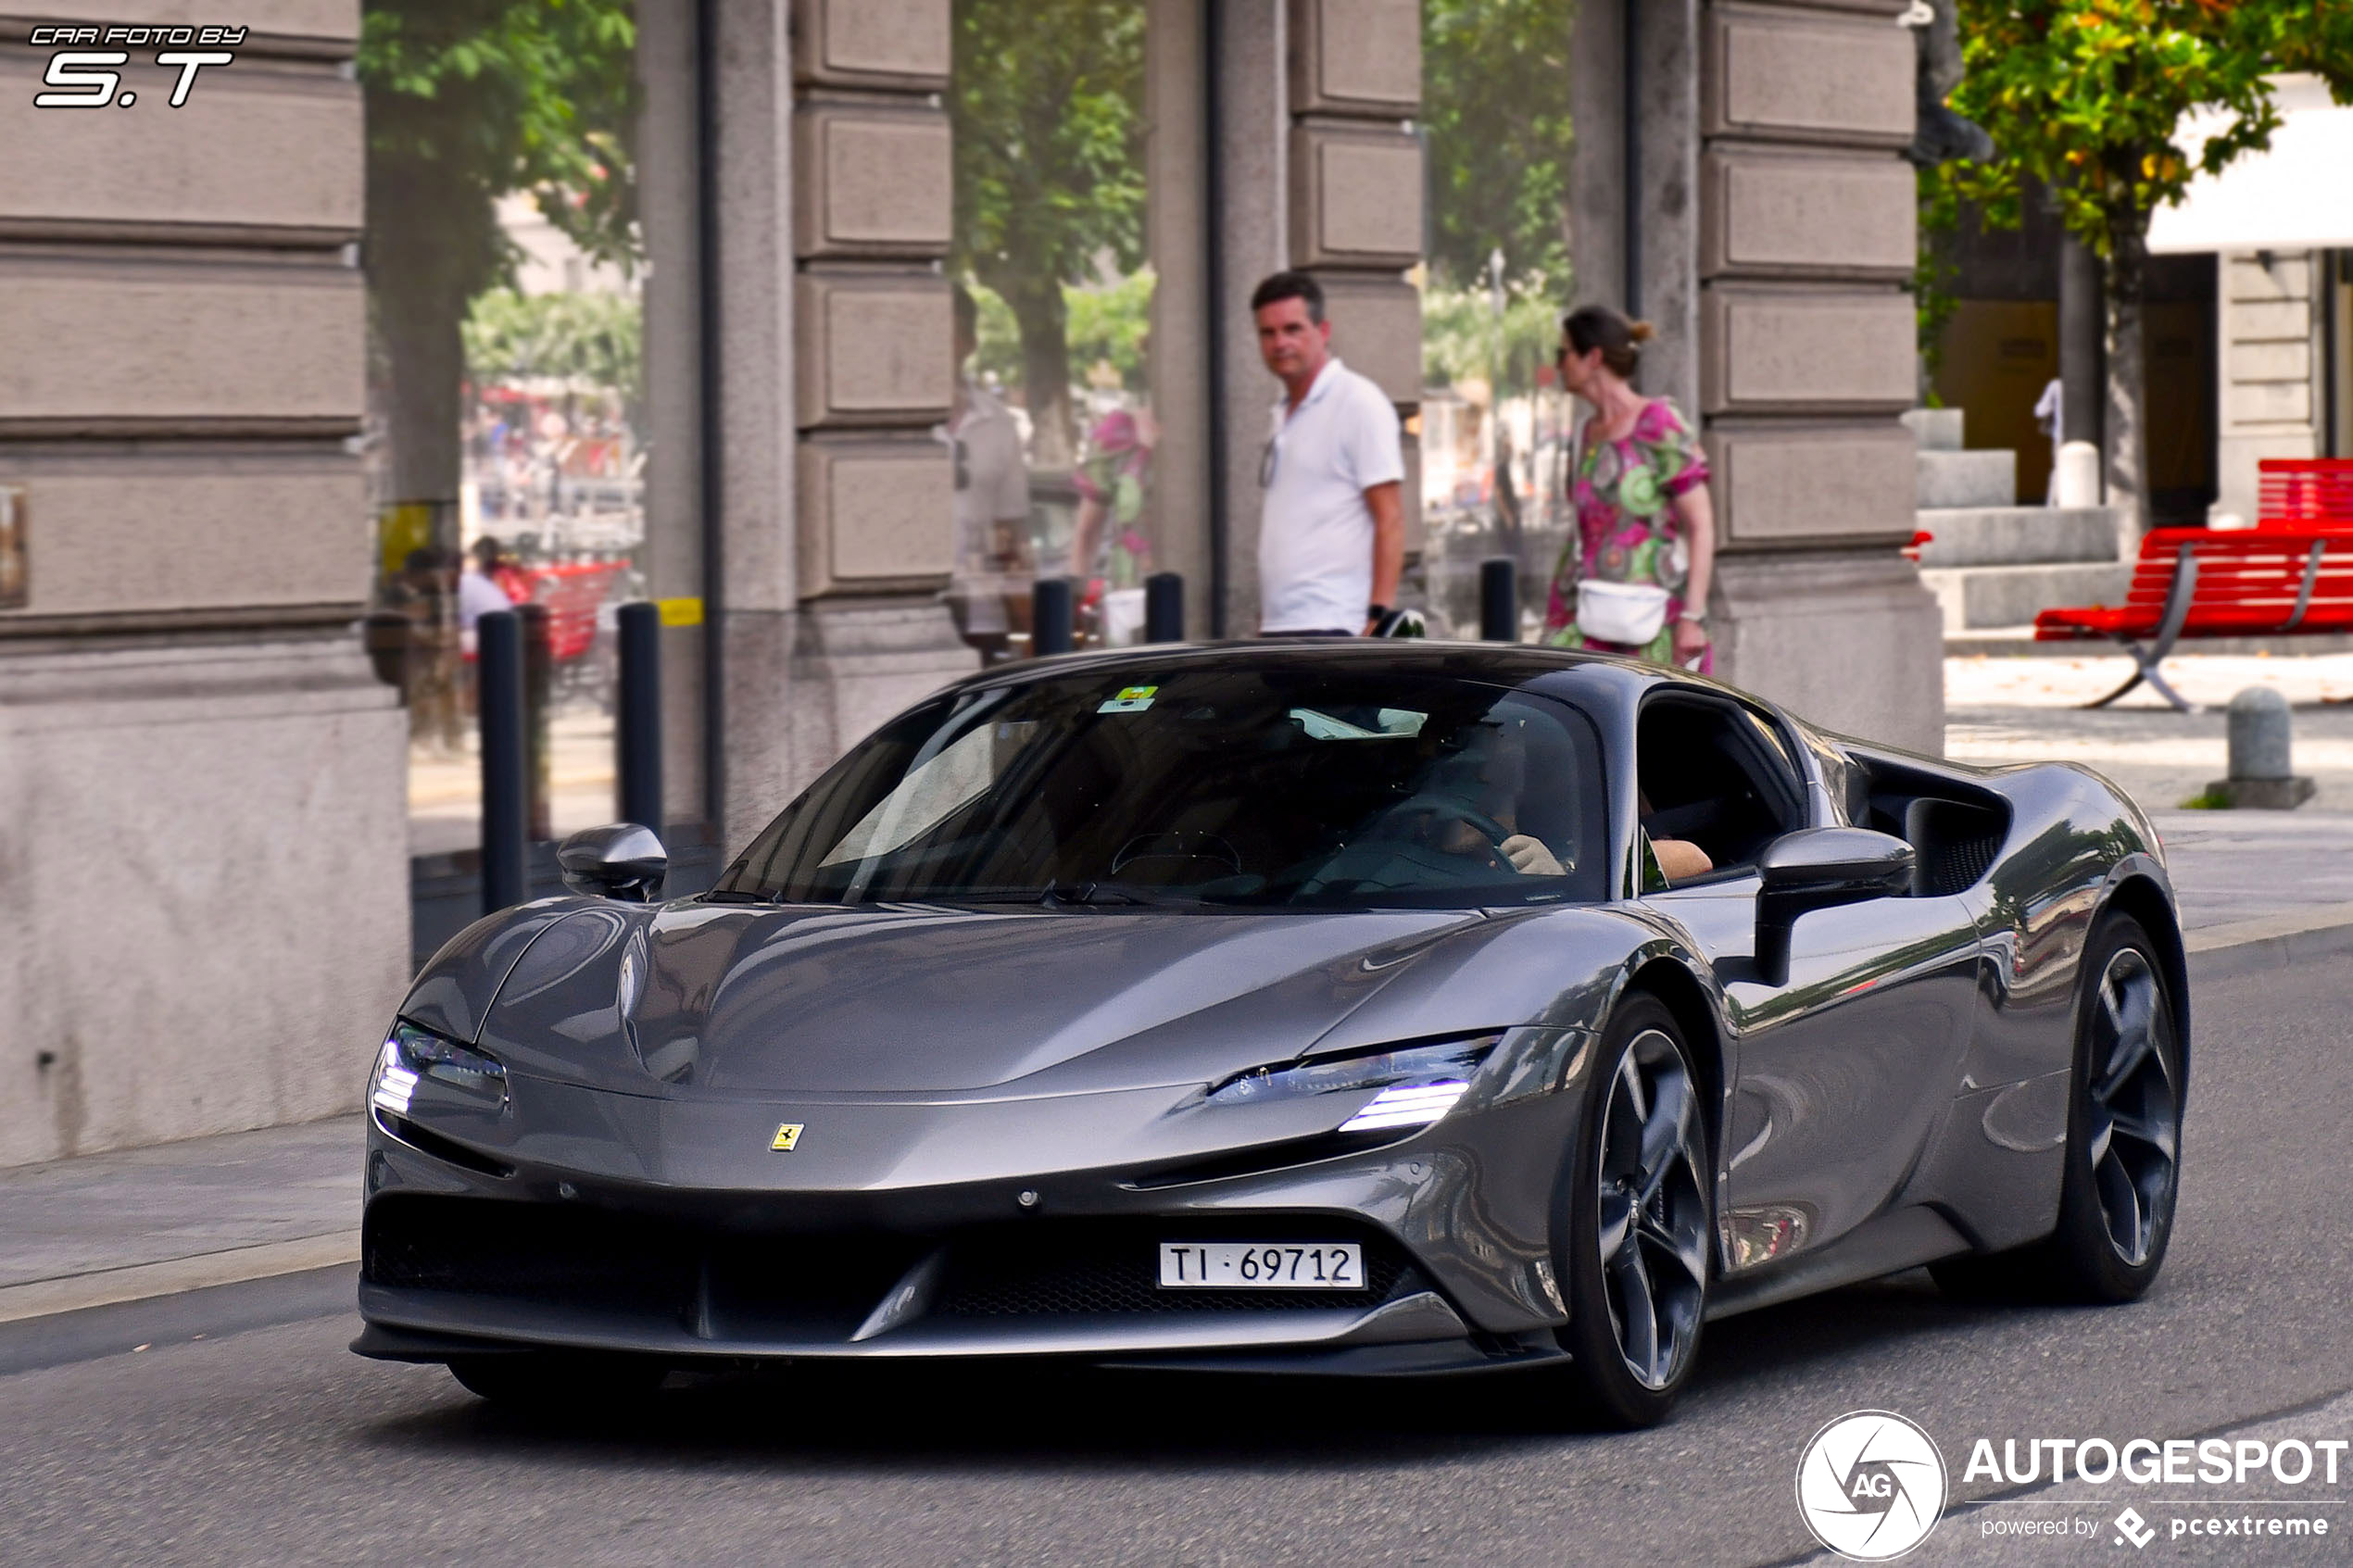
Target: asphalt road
[274, 1444]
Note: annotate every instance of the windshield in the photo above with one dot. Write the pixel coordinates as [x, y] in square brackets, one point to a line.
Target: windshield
[1206, 787]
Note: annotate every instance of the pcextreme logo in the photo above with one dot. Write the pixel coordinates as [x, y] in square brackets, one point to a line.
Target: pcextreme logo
[1870, 1486]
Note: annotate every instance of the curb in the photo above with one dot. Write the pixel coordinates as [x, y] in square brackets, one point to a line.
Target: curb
[140, 1281]
[2275, 941]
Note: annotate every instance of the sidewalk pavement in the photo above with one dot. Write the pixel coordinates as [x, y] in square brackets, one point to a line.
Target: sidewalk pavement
[2258, 889]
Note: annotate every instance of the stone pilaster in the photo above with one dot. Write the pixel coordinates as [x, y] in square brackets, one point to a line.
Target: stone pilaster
[1805, 357]
[835, 212]
[1354, 196]
[203, 845]
[2267, 403]
[1250, 226]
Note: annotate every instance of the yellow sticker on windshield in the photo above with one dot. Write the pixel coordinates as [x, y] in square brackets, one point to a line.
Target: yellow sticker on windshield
[1131, 699]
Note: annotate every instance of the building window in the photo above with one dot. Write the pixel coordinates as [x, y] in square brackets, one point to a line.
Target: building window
[1494, 426]
[512, 441]
[1054, 427]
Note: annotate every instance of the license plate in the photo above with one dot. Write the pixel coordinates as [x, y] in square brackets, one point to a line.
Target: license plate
[1261, 1265]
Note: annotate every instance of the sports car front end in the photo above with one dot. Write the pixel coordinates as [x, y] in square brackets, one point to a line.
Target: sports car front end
[1237, 1014]
[1382, 1209]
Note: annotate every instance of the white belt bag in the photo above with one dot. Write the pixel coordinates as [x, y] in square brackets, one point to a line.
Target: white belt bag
[1625, 613]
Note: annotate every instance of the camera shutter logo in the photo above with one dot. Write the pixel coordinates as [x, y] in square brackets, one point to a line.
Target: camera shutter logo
[1870, 1486]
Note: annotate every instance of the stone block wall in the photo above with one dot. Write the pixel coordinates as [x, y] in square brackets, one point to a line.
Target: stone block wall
[203, 837]
[834, 210]
[1354, 86]
[1806, 357]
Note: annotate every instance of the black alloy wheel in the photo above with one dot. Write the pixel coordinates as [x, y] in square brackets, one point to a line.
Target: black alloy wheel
[1640, 1220]
[2122, 1170]
[2124, 1127]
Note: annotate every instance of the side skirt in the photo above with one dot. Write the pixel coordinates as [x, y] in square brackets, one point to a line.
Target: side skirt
[1904, 1238]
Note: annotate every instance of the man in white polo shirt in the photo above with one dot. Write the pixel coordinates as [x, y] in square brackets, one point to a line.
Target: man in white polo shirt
[1331, 530]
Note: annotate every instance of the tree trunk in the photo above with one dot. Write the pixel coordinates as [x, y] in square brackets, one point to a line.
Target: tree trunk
[2082, 388]
[1037, 305]
[426, 354]
[2127, 428]
[429, 247]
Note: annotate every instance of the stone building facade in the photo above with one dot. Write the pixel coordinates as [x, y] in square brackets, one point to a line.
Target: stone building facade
[202, 858]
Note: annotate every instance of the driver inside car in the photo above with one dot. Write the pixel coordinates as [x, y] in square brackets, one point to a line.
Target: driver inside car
[1488, 779]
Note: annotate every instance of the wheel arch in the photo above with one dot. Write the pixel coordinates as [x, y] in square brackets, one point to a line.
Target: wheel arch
[2140, 897]
[1679, 991]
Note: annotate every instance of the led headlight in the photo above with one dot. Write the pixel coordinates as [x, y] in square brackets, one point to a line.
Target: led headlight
[1418, 1085]
[411, 1054]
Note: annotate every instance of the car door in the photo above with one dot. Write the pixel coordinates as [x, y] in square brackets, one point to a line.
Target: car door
[1839, 1075]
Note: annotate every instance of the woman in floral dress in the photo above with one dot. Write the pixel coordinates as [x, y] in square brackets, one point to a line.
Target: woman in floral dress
[1640, 493]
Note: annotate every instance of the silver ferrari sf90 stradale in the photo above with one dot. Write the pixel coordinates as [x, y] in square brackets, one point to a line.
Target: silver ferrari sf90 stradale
[1371, 1009]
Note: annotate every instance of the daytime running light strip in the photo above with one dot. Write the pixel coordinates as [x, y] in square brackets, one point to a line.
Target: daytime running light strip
[1415, 1107]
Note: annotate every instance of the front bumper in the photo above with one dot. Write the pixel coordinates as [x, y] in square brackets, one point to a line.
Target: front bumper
[475, 1244]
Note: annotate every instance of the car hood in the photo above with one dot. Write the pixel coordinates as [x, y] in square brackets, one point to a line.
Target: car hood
[922, 1002]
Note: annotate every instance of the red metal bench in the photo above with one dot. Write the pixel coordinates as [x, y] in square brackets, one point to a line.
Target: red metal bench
[2274, 580]
[572, 592]
[2304, 492]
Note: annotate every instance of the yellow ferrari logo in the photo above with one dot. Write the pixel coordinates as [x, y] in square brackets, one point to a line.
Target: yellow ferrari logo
[786, 1135]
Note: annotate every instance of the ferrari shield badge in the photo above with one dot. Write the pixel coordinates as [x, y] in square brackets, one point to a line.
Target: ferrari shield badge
[787, 1135]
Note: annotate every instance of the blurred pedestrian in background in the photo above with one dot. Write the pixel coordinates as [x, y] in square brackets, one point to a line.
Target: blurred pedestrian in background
[1331, 530]
[2050, 417]
[1634, 573]
[989, 589]
[479, 593]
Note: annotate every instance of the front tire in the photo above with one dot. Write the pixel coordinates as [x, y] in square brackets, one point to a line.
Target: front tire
[1640, 1221]
[2123, 1171]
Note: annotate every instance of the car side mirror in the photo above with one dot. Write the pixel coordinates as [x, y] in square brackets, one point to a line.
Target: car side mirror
[622, 861]
[1817, 869]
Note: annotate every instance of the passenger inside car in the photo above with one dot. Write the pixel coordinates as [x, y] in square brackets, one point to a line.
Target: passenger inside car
[1679, 858]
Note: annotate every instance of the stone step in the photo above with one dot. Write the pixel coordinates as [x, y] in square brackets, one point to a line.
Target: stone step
[2016, 535]
[1965, 479]
[2013, 595]
[1936, 430]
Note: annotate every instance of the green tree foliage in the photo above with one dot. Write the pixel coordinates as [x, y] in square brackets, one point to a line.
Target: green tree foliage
[1048, 108]
[585, 340]
[1463, 339]
[1495, 102]
[468, 100]
[1106, 324]
[2087, 99]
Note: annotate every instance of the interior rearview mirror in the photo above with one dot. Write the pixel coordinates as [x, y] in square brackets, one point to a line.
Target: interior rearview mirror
[1815, 869]
[621, 860]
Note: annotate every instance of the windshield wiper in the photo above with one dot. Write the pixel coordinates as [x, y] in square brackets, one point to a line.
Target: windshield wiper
[1057, 894]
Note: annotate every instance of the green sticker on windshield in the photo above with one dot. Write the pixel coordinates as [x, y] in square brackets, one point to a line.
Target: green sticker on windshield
[1131, 699]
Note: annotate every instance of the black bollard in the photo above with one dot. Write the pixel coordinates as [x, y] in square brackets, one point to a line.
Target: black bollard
[1499, 601]
[637, 721]
[1050, 620]
[1163, 607]
[499, 697]
[538, 705]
